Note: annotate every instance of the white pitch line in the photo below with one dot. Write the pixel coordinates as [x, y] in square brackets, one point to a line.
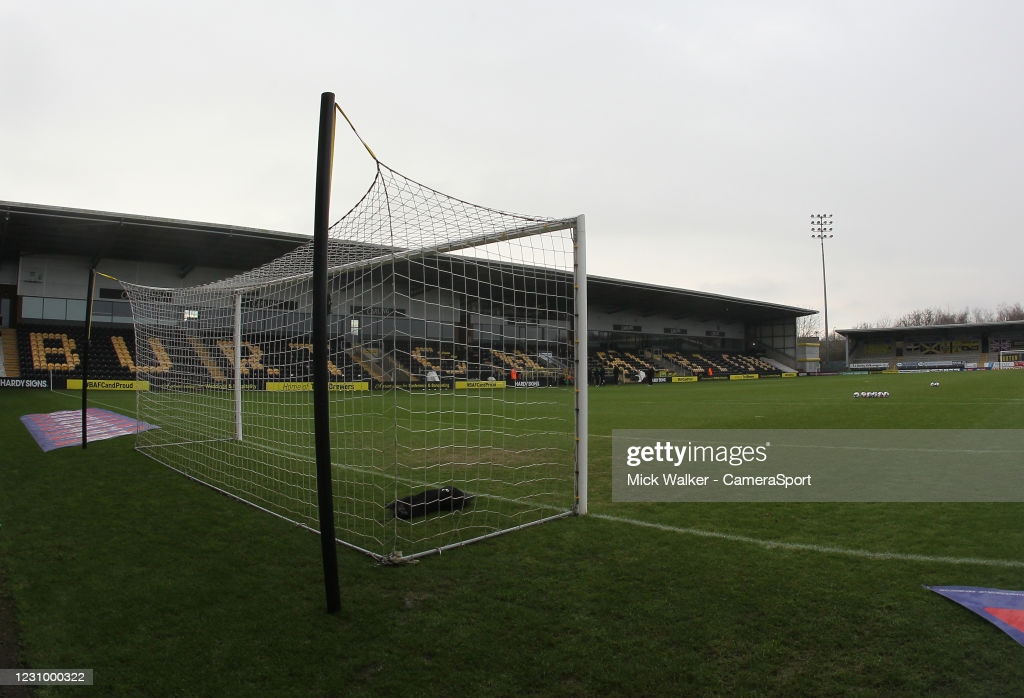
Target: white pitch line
[812, 548]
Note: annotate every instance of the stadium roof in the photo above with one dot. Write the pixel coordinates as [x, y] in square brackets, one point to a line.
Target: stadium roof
[27, 229]
[988, 327]
[614, 295]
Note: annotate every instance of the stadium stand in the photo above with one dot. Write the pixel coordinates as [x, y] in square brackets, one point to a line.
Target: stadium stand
[611, 364]
[444, 363]
[969, 346]
[721, 364]
[9, 344]
[741, 363]
[43, 351]
[673, 318]
[614, 366]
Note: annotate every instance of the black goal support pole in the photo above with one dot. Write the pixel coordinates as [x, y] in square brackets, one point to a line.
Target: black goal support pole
[321, 344]
[86, 350]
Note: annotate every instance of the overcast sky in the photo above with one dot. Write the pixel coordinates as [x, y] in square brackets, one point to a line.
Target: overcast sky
[697, 137]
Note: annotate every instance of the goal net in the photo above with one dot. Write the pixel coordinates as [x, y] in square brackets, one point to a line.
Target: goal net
[1011, 358]
[453, 358]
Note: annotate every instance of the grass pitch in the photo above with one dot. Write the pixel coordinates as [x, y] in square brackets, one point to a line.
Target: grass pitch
[511, 450]
[164, 587]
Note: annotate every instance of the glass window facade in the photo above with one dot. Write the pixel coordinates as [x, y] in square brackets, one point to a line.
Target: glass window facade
[71, 309]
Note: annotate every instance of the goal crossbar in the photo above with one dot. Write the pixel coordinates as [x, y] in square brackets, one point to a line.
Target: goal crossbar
[398, 254]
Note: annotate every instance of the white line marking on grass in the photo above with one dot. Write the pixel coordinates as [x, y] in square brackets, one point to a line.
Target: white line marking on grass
[812, 548]
[92, 400]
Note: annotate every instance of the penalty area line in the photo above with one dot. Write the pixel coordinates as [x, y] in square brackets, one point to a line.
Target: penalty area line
[813, 548]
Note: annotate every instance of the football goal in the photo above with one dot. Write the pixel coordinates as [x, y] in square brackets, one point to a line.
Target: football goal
[1011, 358]
[456, 360]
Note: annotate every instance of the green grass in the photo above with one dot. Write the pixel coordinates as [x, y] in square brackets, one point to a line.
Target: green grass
[165, 587]
[385, 445]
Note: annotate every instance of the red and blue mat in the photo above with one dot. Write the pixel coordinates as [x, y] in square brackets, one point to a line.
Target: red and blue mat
[1001, 607]
[61, 429]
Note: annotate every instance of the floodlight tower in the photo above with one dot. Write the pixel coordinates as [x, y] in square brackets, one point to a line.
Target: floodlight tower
[821, 228]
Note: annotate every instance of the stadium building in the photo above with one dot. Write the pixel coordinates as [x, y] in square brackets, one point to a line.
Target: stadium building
[635, 329]
[986, 345]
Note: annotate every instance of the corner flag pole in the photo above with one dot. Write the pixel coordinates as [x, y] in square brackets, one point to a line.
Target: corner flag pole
[321, 343]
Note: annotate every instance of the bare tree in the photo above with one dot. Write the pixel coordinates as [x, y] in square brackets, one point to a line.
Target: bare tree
[1008, 313]
[923, 317]
[809, 325]
[983, 315]
[836, 347]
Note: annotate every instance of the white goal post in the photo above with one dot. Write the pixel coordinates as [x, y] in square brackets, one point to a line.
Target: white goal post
[1011, 358]
[457, 364]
